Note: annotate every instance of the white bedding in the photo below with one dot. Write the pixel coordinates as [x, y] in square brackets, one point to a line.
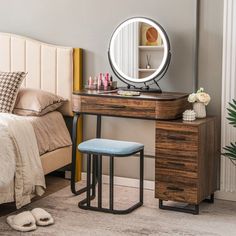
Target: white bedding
[7, 157]
[22, 151]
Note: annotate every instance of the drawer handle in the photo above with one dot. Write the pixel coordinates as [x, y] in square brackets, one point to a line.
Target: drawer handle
[174, 137]
[118, 106]
[175, 189]
[176, 164]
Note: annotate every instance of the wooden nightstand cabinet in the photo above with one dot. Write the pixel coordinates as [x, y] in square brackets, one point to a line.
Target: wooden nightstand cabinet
[185, 164]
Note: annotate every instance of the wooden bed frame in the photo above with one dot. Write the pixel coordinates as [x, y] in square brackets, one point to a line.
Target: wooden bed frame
[49, 67]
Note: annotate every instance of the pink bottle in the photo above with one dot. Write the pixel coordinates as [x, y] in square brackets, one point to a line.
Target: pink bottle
[90, 82]
[105, 83]
[100, 81]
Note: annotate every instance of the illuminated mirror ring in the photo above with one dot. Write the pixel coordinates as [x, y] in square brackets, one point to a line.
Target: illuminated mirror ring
[115, 50]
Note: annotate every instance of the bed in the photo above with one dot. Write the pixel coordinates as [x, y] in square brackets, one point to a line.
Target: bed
[51, 68]
[53, 139]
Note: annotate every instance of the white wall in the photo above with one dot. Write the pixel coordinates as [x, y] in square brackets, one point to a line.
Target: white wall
[228, 170]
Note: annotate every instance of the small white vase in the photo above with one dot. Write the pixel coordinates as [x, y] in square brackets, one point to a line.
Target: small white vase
[200, 109]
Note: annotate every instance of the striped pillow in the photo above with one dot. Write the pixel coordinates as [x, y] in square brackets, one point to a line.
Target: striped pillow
[10, 83]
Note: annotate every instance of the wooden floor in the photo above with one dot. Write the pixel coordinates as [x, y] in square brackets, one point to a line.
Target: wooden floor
[53, 183]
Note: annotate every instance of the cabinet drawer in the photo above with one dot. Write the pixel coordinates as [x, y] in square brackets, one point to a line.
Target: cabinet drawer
[117, 106]
[177, 140]
[177, 155]
[173, 174]
[175, 164]
[176, 192]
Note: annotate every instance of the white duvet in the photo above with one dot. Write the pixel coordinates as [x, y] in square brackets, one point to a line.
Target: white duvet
[7, 157]
[20, 164]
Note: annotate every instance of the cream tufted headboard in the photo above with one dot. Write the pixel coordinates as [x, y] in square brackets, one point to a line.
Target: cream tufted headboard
[49, 67]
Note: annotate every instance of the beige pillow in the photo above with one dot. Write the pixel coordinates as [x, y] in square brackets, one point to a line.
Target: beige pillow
[36, 102]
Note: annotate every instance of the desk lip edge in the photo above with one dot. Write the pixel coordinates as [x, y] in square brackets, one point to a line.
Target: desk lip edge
[82, 93]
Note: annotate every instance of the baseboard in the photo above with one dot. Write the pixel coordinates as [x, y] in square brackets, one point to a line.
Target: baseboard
[229, 196]
[127, 182]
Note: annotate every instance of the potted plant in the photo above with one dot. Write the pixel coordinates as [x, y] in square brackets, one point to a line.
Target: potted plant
[200, 100]
[230, 150]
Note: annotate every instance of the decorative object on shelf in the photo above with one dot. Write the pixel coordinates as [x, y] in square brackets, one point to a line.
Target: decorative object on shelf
[189, 115]
[200, 109]
[148, 66]
[200, 100]
[150, 36]
[230, 150]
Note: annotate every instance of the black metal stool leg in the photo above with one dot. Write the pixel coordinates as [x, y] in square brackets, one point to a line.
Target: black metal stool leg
[73, 164]
[99, 181]
[111, 183]
[88, 178]
[141, 176]
[74, 149]
[94, 178]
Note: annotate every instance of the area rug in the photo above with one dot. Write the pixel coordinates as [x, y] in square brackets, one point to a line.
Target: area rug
[213, 220]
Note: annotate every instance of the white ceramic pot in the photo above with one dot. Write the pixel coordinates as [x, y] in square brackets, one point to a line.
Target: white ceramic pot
[200, 109]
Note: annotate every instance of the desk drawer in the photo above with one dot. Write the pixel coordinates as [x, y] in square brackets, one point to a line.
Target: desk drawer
[176, 192]
[118, 107]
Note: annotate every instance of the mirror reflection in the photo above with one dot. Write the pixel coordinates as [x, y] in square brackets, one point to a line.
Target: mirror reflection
[138, 50]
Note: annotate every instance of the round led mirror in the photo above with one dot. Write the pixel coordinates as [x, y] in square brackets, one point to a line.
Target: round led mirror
[139, 51]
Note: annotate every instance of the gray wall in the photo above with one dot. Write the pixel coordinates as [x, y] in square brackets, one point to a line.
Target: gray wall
[89, 25]
[210, 59]
[210, 53]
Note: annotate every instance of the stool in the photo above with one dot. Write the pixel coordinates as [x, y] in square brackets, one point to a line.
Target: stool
[97, 148]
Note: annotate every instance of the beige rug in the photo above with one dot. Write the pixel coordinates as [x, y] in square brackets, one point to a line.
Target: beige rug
[214, 219]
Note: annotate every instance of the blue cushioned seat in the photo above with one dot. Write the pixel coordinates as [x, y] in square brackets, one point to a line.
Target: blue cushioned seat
[110, 147]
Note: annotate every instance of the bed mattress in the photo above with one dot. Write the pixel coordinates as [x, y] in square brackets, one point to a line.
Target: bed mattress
[50, 131]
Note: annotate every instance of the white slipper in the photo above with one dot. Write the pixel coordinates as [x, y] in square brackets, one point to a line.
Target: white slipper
[42, 217]
[22, 222]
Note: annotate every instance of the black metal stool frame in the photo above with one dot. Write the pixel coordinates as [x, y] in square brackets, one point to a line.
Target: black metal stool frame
[86, 203]
[73, 164]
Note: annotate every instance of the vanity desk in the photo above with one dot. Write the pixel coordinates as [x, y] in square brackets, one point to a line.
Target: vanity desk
[152, 106]
[185, 152]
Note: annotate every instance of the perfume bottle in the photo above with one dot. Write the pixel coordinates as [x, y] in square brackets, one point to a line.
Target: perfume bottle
[105, 83]
[95, 82]
[90, 82]
[100, 81]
